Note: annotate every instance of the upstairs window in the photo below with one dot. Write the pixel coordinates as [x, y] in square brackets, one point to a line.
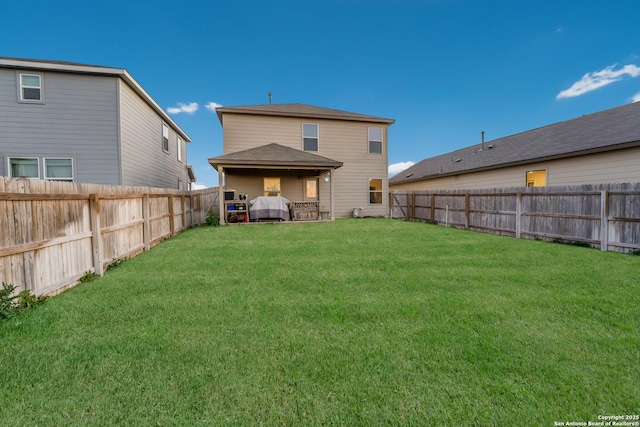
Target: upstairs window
[165, 138]
[309, 137]
[58, 169]
[375, 140]
[179, 146]
[375, 191]
[31, 88]
[24, 167]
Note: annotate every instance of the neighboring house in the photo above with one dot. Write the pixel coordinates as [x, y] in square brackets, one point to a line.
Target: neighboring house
[598, 148]
[83, 123]
[306, 153]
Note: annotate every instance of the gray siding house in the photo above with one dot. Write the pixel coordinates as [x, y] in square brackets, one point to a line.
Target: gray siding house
[83, 123]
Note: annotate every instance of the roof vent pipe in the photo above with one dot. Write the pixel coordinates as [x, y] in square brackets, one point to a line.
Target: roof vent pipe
[270, 98]
[482, 140]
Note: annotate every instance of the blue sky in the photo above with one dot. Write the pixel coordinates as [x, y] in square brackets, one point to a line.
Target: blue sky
[445, 70]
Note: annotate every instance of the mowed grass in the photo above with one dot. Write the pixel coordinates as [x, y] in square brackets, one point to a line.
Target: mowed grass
[358, 322]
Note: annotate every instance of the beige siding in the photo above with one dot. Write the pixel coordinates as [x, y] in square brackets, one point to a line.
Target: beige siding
[344, 141]
[605, 168]
[290, 185]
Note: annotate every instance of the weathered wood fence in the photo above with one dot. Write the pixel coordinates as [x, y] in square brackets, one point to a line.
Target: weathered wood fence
[53, 233]
[605, 216]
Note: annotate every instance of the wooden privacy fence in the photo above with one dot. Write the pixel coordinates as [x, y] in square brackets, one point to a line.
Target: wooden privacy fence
[54, 233]
[605, 216]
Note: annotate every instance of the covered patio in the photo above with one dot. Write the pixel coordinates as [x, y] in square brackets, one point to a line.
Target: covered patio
[303, 180]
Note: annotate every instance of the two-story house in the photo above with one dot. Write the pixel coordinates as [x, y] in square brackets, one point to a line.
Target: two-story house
[83, 123]
[306, 153]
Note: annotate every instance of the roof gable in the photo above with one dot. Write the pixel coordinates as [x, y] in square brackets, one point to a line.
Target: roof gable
[300, 110]
[274, 155]
[606, 130]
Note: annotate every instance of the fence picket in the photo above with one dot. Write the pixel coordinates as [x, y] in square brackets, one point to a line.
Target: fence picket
[604, 215]
[52, 233]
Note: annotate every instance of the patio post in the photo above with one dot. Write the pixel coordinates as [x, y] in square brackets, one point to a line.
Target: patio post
[221, 212]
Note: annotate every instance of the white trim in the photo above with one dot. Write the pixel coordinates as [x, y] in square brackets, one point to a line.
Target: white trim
[179, 146]
[381, 191]
[317, 137]
[264, 187]
[44, 169]
[546, 177]
[165, 136]
[381, 140]
[304, 188]
[37, 159]
[21, 86]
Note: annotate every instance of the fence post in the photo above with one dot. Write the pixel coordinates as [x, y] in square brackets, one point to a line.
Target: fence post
[172, 225]
[146, 235]
[433, 207]
[466, 210]
[413, 206]
[184, 214]
[518, 215]
[96, 240]
[604, 220]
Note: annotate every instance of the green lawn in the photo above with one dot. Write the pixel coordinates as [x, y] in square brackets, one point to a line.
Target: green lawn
[358, 322]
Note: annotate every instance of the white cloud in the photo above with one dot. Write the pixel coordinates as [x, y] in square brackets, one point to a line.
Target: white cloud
[183, 108]
[196, 186]
[211, 106]
[597, 79]
[636, 97]
[399, 167]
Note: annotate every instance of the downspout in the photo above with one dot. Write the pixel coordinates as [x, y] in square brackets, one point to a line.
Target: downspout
[332, 216]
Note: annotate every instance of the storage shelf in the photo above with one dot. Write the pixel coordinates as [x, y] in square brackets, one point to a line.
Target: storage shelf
[236, 211]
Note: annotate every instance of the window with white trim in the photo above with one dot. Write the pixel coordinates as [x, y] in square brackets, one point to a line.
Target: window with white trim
[165, 138]
[309, 137]
[271, 187]
[58, 169]
[311, 189]
[179, 146]
[537, 178]
[375, 140]
[31, 87]
[24, 167]
[375, 191]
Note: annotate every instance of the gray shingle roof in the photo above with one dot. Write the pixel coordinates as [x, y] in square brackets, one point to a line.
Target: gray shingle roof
[606, 130]
[274, 155]
[301, 110]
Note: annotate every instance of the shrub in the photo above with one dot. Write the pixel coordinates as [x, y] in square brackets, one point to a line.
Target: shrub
[10, 304]
[88, 277]
[26, 299]
[7, 301]
[212, 219]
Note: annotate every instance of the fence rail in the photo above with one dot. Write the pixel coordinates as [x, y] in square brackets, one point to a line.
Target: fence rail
[605, 216]
[52, 233]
